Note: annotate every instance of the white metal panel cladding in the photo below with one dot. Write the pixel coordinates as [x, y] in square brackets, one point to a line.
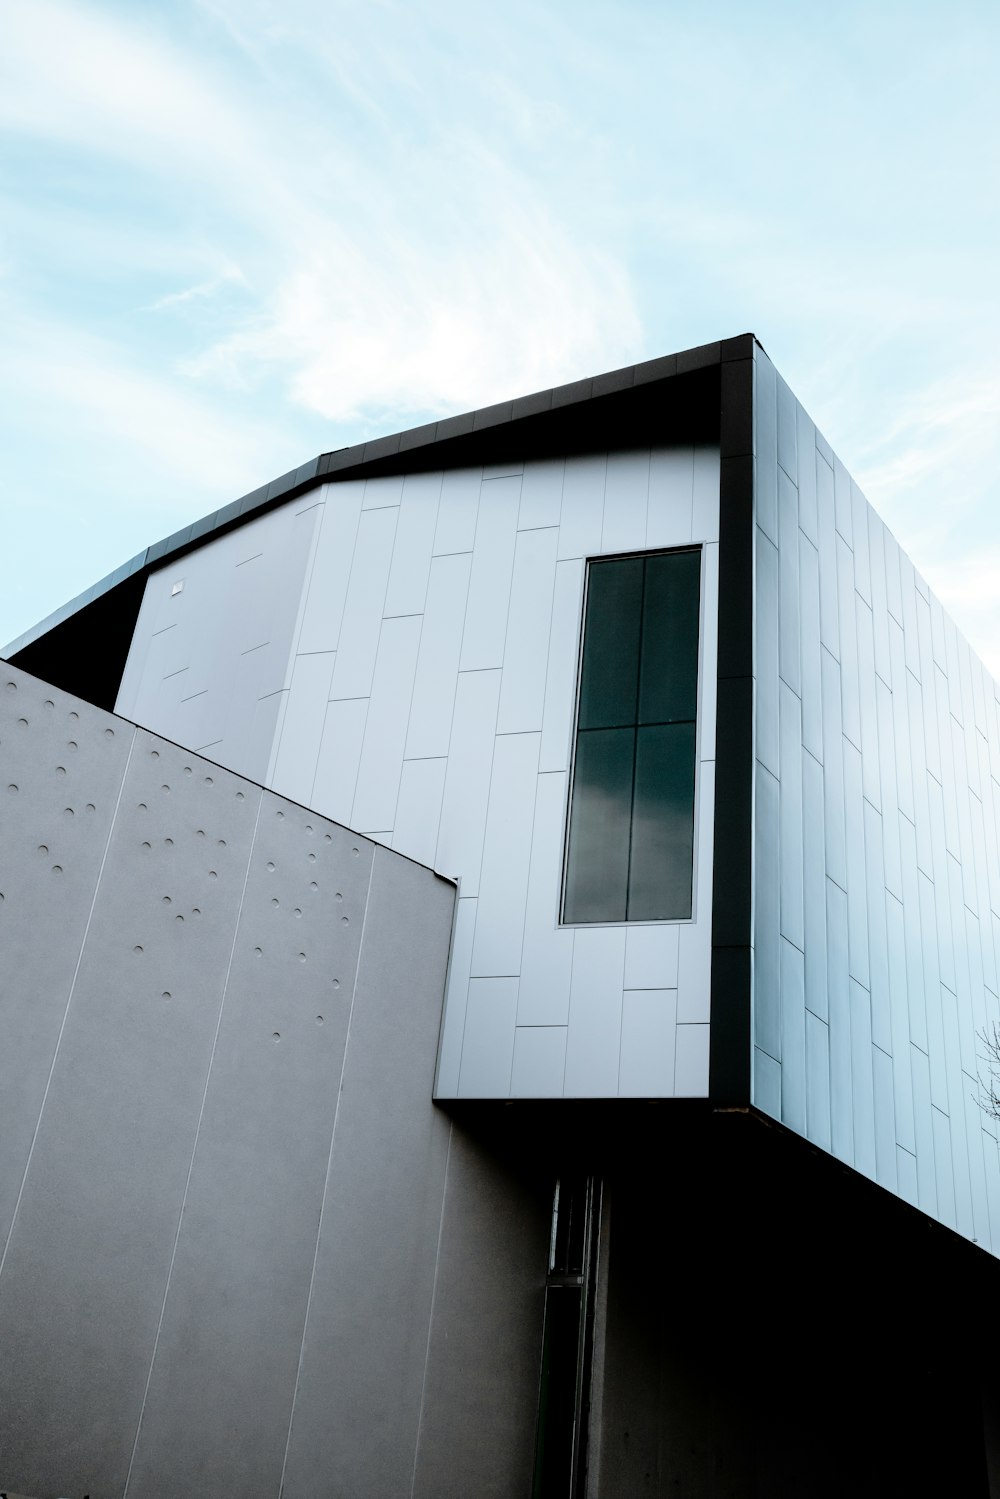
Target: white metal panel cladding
[440, 614]
[881, 817]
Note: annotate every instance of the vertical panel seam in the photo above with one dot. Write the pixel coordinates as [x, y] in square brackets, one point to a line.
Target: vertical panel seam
[194, 1148]
[430, 1314]
[69, 1001]
[288, 670]
[326, 1184]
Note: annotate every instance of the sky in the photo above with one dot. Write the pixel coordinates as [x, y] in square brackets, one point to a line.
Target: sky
[236, 233]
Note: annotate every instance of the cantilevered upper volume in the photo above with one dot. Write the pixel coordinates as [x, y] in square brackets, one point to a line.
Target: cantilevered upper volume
[634, 662]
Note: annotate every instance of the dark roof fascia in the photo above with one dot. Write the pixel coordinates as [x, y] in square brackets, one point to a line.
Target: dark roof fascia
[449, 438]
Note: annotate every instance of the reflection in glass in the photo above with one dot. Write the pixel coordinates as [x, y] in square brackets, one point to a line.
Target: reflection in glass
[630, 852]
[669, 681]
[660, 867]
[610, 669]
[597, 866]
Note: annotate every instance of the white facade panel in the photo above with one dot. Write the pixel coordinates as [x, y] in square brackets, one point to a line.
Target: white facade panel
[441, 615]
[418, 810]
[467, 783]
[691, 1061]
[411, 557]
[547, 949]
[529, 619]
[583, 505]
[339, 758]
[651, 956]
[458, 511]
[539, 1061]
[503, 887]
[436, 677]
[541, 494]
[359, 632]
[627, 484]
[561, 667]
[488, 1039]
[331, 570]
[595, 1017]
[381, 765]
[297, 747]
[671, 494]
[492, 564]
[649, 1032]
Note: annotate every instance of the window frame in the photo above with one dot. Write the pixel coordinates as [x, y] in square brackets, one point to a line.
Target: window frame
[589, 562]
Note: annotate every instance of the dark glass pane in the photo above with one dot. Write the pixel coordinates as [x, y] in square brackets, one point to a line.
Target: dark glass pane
[669, 669]
[609, 674]
[597, 864]
[662, 824]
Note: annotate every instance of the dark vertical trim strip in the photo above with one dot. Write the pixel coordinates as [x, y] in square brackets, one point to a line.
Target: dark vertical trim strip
[730, 1040]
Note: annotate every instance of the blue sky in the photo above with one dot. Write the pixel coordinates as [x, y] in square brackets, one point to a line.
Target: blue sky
[235, 233]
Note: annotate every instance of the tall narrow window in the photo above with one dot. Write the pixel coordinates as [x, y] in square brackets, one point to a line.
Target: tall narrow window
[631, 824]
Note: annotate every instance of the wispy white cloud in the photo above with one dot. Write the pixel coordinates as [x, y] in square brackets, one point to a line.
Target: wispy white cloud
[228, 276]
[144, 423]
[251, 218]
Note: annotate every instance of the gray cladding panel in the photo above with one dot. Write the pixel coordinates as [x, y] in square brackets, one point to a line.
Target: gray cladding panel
[260, 1163]
[882, 792]
[86, 1270]
[61, 775]
[357, 1408]
[203, 1135]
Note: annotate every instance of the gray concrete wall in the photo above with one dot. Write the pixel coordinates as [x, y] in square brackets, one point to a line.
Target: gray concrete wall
[240, 1246]
[877, 871]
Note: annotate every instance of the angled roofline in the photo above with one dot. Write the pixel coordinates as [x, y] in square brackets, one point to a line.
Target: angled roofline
[384, 453]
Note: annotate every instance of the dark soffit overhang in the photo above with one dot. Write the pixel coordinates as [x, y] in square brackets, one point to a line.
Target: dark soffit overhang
[583, 413]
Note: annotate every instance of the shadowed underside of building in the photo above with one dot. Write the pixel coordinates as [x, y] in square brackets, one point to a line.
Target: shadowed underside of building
[495, 930]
